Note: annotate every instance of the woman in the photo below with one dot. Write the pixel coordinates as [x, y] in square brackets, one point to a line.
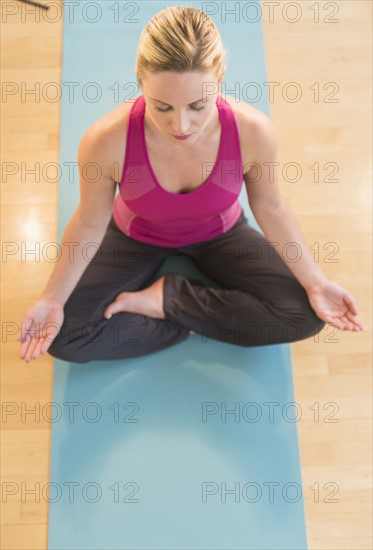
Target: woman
[183, 153]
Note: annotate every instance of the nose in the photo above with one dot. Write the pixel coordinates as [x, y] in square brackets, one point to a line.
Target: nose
[180, 123]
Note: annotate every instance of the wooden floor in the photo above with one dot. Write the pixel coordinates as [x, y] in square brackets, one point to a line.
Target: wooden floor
[328, 134]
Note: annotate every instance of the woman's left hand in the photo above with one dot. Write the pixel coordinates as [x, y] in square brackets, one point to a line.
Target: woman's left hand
[335, 305]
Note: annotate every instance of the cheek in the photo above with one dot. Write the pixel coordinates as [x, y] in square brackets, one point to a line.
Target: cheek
[157, 118]
[160, 121]
[205, 118]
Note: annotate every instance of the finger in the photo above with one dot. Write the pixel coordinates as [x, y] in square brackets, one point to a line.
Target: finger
[355, 321]
[25, 327]
[46, 341]
[25, 342]
[45, 346]
[24, 349]
[48, 338]
[350, 301]
[351, 322]
[30, 339]
[33, 331]
[37, 349]
[357, 326]
[25, 346]
[346, 322]
[335, 322]
[30, 349]
[51, 330]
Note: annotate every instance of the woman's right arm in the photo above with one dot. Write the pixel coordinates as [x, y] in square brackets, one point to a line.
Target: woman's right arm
[77, 237]
[88, 224]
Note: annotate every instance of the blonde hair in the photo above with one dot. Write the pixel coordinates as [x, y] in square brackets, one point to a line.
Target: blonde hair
[180, 38]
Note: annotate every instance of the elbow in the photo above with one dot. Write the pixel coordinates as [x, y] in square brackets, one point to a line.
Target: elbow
[269, 208]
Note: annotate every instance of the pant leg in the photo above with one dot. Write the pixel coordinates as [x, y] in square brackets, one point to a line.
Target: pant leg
[120, 264]
[261, 302]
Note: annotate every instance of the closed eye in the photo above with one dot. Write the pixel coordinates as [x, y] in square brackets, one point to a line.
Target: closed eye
[168, 108]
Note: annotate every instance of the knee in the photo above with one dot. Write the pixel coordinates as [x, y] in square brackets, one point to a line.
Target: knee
[315, 324]
[66, 353]
[305, 323]
[65, 348]
[309, 329]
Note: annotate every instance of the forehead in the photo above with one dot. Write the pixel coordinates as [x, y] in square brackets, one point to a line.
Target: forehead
[195, 102]
[185, 88]
[193, 81]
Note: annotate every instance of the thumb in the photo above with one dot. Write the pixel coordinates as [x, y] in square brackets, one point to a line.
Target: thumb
[351, 302]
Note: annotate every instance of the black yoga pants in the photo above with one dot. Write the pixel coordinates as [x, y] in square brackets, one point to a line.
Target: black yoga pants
[257, 300]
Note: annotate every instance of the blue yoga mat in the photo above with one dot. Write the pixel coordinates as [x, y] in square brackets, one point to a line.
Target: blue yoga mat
[194, 446]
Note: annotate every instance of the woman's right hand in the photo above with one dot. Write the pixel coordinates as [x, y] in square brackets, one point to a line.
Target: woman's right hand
[39, 328]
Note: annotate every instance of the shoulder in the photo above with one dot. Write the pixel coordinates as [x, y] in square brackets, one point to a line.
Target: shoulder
[249, 119]
[113, 120]
[106, 138]
[257, 132]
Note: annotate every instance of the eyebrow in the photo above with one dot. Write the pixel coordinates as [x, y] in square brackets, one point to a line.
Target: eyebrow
[194, 102]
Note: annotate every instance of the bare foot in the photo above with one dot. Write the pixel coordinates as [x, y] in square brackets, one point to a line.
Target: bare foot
[148, 301]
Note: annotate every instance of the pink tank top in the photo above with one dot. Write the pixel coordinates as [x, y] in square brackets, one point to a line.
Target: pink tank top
[147, 212]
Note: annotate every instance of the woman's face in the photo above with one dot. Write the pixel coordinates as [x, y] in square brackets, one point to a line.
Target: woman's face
[180, 103]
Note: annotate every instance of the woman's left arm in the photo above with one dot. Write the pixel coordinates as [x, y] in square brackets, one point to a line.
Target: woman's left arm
[332, 303]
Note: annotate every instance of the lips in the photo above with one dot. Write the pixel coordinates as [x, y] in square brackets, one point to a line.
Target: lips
[182, 137]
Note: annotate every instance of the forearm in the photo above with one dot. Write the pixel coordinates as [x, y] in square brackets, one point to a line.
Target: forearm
[282, 228]
[73, 260]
